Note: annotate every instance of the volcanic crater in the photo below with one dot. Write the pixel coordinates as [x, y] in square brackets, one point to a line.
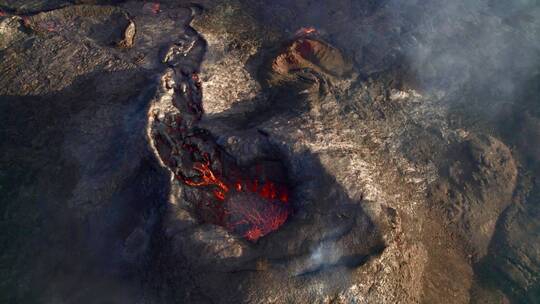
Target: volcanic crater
[249, 151]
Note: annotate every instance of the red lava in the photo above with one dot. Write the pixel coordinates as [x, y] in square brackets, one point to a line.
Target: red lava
[260, 218]
[155, 8]
[305, 31]
[252, 206]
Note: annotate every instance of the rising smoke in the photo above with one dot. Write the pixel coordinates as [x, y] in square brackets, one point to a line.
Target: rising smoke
[485, 45]
[489, 47]
[465, 52]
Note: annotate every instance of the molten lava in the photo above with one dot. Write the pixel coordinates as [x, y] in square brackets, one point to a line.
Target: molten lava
[252, 216]
[207, 178]
[248, 204]
[306, 31]
[247, 207]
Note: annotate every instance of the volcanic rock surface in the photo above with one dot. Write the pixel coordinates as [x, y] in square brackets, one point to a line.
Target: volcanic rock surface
[247, 152]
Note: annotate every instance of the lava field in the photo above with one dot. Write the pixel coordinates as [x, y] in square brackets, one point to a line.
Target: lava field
[250, 151]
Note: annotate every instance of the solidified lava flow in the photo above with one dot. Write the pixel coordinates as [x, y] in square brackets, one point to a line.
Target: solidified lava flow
[247, 201]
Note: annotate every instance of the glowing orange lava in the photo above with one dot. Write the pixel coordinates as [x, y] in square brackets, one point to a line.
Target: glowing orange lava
[306, 31]
[243, 203]
[207, 178]
[261, 220]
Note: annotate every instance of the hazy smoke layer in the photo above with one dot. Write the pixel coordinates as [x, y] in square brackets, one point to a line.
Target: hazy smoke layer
[488, 46]
[484, 45]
